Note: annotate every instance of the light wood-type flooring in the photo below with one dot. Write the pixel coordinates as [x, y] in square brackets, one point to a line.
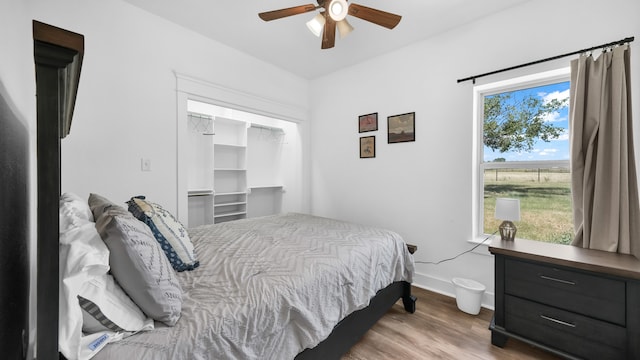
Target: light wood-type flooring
[437, 330]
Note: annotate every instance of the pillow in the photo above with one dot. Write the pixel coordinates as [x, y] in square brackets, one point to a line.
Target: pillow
[106, 307]
[84, 260]
[98, 204]
[73, 209]
[169, 232]
[137, 261]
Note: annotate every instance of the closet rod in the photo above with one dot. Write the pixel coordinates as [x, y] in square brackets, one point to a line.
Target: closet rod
[619, 42]
[201, 116]
[264, 127]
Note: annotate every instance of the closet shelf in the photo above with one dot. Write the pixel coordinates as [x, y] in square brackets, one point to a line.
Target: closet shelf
[266, 186]
[230, 193]
[199, 192]
[230, 145]
[228, 169]
[229, 213]
[230, 204]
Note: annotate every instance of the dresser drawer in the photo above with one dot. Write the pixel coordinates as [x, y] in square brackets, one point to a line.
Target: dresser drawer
[597, 297]
[566, 331]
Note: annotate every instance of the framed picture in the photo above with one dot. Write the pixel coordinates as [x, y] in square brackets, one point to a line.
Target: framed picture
[368, 122]
[401, 128]
[367, 147]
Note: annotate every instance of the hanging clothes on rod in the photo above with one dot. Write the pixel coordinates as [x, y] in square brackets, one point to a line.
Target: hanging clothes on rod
[201, 123]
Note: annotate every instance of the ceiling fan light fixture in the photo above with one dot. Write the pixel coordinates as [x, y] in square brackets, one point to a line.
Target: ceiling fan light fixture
[338, 9]
[332, 18]
[316, 24]
[344, 28]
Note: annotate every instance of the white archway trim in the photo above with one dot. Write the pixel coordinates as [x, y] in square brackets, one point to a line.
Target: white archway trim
[237, 99]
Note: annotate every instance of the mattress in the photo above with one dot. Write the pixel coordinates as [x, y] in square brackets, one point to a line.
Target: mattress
[269, 287]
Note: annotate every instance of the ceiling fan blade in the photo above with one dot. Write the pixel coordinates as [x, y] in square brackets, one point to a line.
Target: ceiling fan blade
[329, 33]
[278, 14]
[375, 16]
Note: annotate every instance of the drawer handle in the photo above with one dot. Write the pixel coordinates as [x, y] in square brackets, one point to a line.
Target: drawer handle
[558, 321]
[557, 280]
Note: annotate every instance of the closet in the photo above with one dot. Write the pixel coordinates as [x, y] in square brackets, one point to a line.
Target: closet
[234, 165]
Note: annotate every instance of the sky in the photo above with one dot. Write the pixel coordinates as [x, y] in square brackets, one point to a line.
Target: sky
[557, 149]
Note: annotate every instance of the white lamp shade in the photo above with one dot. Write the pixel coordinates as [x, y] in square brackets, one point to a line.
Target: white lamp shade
[316, 24]
[508, 209]
[338, 9]
[344, 28]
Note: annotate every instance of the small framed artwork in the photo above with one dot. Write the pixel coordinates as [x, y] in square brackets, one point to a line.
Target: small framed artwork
[368, 122]
[367, 147]
[401, 128]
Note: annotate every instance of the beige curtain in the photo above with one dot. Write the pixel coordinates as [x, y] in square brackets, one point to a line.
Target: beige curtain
[603, 172]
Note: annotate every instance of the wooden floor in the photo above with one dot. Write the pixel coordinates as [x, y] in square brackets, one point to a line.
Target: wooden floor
[437, 330]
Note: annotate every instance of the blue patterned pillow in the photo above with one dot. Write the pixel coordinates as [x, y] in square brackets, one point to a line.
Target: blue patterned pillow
[168, 231]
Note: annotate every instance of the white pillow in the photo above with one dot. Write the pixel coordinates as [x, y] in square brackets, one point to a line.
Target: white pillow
[77, 205]
[106, 307]
[84, 263]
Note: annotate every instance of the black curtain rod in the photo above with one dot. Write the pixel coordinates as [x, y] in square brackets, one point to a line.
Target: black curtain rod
[619, 42]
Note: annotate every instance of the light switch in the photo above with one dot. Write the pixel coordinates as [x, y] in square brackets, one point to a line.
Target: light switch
[145, 164]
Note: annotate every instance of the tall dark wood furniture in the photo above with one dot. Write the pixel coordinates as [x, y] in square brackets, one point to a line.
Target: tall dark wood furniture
[574, 302]
[58, 57]
[14, 230]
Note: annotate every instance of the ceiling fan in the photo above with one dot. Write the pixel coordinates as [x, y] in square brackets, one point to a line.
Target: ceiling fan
[334, 16]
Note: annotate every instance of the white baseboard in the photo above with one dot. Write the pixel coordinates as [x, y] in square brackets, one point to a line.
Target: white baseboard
[445, 287]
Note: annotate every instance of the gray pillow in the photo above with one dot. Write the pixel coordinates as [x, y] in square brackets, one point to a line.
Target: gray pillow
[98, 204]
[138, 262]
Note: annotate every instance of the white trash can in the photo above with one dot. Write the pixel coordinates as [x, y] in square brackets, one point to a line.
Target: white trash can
[468, 295]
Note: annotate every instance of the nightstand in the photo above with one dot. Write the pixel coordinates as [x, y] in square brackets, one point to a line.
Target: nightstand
[574, 302]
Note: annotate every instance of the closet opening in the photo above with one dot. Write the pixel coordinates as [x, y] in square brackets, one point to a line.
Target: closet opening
[238, 164]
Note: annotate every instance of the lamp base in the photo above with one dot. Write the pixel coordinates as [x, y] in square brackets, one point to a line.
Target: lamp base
[507, 231]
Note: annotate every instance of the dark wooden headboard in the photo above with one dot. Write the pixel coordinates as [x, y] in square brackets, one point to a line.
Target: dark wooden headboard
[58, 58]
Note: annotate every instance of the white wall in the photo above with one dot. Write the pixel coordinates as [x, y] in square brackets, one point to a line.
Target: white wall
[423, 189]
[126, 107]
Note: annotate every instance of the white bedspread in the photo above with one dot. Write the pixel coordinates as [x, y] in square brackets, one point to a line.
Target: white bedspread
[267, 288]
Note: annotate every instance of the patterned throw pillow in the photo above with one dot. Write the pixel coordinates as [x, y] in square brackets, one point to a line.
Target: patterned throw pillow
[169, 232]
[137, 261]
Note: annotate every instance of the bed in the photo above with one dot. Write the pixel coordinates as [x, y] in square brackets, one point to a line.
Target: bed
[275, 287]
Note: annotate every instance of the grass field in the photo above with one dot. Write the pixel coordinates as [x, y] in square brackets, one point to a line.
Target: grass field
[545, 202]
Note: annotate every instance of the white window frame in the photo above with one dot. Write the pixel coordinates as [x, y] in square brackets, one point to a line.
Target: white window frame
[479, 166]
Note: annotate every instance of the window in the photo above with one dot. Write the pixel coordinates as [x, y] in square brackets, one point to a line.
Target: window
[521, 129]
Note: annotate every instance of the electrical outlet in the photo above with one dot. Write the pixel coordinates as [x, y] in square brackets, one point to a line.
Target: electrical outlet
[145, 164]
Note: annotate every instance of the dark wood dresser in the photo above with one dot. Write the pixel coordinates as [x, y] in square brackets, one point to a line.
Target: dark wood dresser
[574, 302]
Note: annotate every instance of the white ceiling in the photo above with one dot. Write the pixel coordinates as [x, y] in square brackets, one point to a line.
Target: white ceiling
[288, 44]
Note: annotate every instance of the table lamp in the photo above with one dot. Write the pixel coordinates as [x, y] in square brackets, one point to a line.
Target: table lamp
[507, 210]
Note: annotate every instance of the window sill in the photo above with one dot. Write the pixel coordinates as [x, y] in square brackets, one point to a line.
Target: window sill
[482, 243]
